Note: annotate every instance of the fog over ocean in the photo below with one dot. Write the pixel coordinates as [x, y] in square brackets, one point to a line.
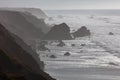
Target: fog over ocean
[114, 12]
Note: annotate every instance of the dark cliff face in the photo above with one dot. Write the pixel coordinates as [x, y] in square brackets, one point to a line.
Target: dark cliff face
[17, 23]
[16, 62]
[82, 32]
[59, 32]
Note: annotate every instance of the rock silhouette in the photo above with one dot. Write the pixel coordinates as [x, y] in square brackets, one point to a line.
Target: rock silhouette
[61, 43]
[17, 60]
[67, 54]
[53, 56]
[42, 46]
[59, 32]
[72, 45]
[111, 33]
[82, 32]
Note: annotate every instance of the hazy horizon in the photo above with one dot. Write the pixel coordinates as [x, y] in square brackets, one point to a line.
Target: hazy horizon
[62, 4]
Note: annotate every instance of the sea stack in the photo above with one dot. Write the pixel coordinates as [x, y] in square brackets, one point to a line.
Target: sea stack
[82, 32]
[59, 32]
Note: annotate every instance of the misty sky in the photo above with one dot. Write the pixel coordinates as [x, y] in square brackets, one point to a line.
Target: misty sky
[63, 4]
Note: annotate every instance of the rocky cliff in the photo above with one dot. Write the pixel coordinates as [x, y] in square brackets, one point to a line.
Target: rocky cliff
[17, 23]
[38, 23]
[34, 11]
[17, 60]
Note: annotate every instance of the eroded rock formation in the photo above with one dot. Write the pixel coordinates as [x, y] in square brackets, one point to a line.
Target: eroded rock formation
[82, 32]
[59, 32]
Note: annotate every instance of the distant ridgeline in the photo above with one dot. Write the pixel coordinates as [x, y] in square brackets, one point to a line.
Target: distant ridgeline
[34, 11]
[27, 23]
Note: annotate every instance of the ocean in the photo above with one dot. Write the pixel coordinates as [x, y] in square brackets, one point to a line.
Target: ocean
[105, 12]
[99, 59]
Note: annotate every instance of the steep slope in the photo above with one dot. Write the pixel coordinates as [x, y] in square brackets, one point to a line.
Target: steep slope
[39, 23]
[17, 24]
[16, 63]
[34, 15]
[82, 32]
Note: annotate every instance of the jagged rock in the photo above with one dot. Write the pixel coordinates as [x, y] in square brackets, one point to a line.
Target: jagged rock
[67, 54]
[44, 42]
[53, 56]
[17, 60]
[59, 32]
[82, 32]
[72, 45]
[113, 64]
[61, 43]
[111, 33]
[42, 47]
[83, 45]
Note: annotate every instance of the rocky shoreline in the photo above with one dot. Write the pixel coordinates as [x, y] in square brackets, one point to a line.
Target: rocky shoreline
[17, 60]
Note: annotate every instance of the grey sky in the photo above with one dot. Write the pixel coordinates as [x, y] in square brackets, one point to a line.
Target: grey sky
[63, 4]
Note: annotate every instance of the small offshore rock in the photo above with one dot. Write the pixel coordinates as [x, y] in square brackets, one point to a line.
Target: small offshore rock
[111, 33]
[53, 56]
[72, 45]
[67, 54]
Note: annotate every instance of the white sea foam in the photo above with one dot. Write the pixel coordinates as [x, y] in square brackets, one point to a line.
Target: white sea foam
[101, 50]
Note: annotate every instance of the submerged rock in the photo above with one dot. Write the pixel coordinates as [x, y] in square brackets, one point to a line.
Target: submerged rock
[61, 43]
[83, 45]
[42, 47]
[44, 42]
[17, 60]
[111, 33]
[53, 56]
[59, 32]
[113, 64]
[67, 54]
[72, 45]
[82, 32]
